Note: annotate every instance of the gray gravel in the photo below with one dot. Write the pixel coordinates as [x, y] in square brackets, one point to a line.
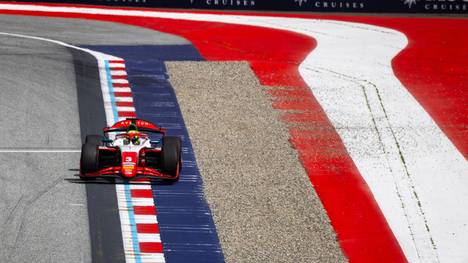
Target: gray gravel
[264, 206]
[43, 216]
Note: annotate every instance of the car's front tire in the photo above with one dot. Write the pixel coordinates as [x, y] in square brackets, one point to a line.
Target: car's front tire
[171, 157]
[89, 161]
[93, 139]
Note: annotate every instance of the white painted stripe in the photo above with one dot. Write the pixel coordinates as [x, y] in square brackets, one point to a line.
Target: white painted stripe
[152, 257]
[118, 73]
[149, 238]
[122, 197]
[119, 109]
[40, 151]
[105, 89]
[122, 90]
[145, 186]
[117, 65]
[123, 99]
[145, 219]
[121, 81]
[142, 237]
[108, 106]
[124, 222]
[128, 246]
[143, 201]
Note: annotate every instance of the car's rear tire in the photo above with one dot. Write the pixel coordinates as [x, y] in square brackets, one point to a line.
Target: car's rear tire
[89, 161]
[171, 157]
[93, 139]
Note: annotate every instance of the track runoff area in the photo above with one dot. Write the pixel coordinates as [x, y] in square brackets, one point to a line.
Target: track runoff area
[389, 95]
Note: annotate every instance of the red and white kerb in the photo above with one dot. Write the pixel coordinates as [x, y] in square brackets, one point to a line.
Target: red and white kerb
[140, 231]
[121, 89]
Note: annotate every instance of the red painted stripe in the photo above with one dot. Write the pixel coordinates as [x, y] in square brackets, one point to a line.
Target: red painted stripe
[122, 94]
[124, 104]
[289, 93]
[298, 118]
[288, 104]
[117, 68]
[147, 228]
[120, 61]
[151, 247]
[120, 85]
[126, 114]
[119, 76]
[141, 193]
[144, 210]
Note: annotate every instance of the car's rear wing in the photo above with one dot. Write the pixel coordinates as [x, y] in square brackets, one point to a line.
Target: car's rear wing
[142, 125]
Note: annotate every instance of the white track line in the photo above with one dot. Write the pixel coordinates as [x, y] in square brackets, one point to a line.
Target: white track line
[417, 176]
[38, 151]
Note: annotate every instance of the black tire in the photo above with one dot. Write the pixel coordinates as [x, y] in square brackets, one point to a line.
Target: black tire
[171, 157]
[93, 139]
[89, 162]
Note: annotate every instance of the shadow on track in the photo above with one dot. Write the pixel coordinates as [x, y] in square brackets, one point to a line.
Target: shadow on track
[114, 181]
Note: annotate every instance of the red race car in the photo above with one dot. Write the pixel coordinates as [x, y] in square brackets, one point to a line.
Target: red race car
[126, 151]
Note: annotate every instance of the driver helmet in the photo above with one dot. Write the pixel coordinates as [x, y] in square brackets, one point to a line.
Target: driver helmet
[133, 129]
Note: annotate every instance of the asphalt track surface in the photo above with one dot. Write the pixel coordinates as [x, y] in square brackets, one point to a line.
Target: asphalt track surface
[44, 217]
[85, 32]
[44, 212]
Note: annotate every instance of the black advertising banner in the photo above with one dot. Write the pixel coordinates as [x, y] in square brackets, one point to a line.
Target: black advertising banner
[374, 6]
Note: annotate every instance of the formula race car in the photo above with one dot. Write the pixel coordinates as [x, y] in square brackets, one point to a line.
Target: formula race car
[126, 151]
